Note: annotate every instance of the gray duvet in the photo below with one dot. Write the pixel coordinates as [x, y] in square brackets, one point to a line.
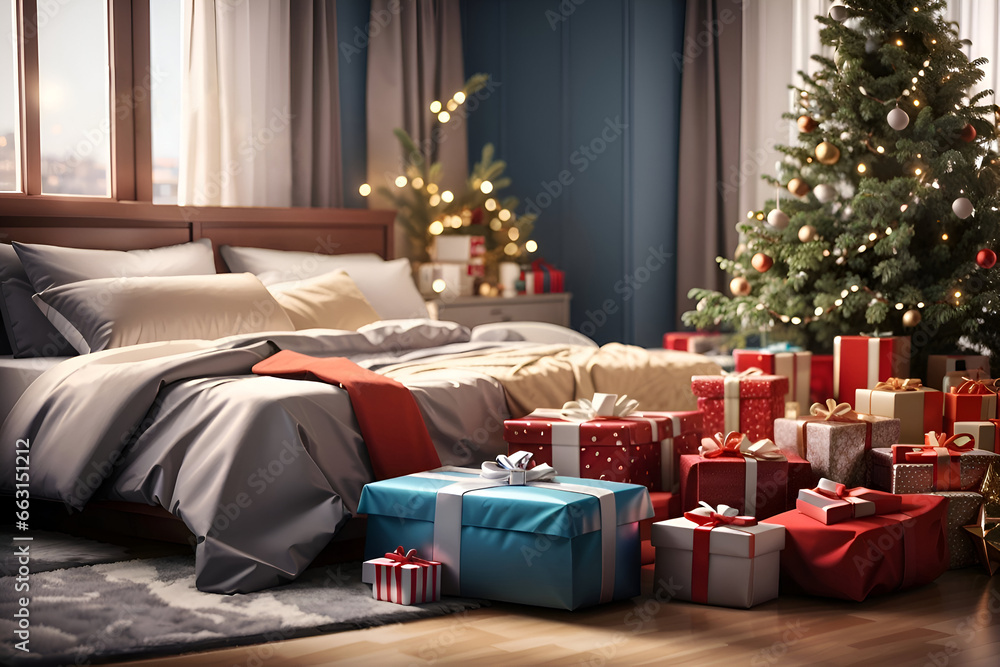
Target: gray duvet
[263, 471]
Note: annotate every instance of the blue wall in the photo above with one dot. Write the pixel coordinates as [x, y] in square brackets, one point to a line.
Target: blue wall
[587, 118]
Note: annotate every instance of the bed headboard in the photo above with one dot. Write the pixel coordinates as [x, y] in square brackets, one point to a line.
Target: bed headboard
[129, 225]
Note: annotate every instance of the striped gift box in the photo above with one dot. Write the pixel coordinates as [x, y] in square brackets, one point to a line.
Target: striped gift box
[403, 578]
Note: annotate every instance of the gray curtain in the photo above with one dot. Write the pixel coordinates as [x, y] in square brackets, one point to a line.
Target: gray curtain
[414, 58]
[316, 156]
[710, 174]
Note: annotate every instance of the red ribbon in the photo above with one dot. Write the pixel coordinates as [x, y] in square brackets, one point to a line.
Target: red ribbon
[701, 547]
[974, 387]
[944, 453]
[728, 446]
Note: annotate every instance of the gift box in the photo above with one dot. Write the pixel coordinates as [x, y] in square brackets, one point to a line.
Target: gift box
[834, 440]
[973, 401]
[820, 378]
[868, 556]
[986, 433]
[756, 479]
[747, 402]
[566, 542]
[918, 408]
[636, 448]
[692, 341]
[449, 278]
[939, 365]
[403, 578]
[461, 248]
[957, 378]
[963, 510]
[861, 362]
[717, 557]
[944, 465]
[665, 506]
[796, 366]
[542, 278]
[831, 502]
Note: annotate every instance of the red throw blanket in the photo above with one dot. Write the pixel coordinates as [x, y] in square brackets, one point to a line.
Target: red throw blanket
[390, 421]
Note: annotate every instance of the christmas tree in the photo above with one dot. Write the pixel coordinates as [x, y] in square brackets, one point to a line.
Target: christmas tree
[887, 217]
[426, 211]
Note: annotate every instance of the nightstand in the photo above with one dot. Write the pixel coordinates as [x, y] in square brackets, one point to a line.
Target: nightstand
[471, 311]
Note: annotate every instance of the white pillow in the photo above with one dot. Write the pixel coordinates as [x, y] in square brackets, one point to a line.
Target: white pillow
[107, 313]
[290, 264]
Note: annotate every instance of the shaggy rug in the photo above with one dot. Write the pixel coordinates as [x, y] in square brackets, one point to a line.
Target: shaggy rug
[147, 607]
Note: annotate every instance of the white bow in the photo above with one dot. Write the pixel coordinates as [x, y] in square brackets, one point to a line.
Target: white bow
[513, 468]
[602, 405]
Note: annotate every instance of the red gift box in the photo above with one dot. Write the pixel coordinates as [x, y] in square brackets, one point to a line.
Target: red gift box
[868, 556]
[861, 362]
[796, 366]
[636, 449]
[746, 402]
[542, 278]
[691, 341]
[821, 379]
[665, 506]
[831, 502]
[756, 487]
[974, 400]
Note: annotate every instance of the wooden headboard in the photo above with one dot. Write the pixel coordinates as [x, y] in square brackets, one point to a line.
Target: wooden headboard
[129, 225]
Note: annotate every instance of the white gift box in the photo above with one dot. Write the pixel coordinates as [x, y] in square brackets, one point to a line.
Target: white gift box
[985, 434]
[940, 365]
[743, 561]
[460, 248]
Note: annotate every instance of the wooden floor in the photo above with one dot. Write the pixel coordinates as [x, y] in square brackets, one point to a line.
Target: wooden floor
[954, 621]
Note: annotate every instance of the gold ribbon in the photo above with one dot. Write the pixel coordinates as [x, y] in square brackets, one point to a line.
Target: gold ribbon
[900, 384]
[976, 387]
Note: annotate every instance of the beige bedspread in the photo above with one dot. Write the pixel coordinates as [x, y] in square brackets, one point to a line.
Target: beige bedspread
[548, 376]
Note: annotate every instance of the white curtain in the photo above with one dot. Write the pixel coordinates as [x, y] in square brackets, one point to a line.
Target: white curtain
[260, 120]
[779, 37]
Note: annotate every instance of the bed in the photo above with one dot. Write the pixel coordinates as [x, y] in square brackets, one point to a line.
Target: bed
[263, 472]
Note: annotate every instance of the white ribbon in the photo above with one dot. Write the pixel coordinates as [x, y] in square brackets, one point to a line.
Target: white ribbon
[602, 405]
[512, 470]
[874, 347]
[448, 524]
[707, 510]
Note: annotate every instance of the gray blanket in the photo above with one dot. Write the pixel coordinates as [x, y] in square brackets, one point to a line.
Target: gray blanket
[263, 471]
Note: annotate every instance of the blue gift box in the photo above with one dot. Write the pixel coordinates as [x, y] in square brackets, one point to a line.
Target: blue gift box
[535, 544]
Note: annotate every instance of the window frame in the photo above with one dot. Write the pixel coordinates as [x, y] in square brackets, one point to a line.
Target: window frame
[130, 107]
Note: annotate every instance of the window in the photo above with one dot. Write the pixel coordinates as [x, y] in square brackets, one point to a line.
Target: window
[10, 162]
[165, 18]
[74, 98]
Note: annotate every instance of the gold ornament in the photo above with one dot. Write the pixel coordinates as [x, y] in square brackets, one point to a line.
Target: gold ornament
[827, 153]
[798, 187]
[911, 318]
[990, 489]
[761, 262]
[807, 233]
[739, 286]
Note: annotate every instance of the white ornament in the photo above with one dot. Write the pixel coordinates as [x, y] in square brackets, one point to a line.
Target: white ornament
[962, 207]
[824, 193]
[854, 23]
[845, 136]
[897, 119]
[838, 12]
[777, 219]
[871, 45]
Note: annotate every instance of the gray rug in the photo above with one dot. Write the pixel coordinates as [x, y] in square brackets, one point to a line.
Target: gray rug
[148, 607]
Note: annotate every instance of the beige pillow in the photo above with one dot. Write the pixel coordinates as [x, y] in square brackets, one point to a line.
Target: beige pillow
[328, 301]
[106, 313]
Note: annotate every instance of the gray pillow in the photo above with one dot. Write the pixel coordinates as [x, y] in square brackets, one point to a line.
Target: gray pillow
[50, 266]
[106, 313]
[26, 332]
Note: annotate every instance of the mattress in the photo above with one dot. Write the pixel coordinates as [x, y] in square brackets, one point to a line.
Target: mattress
[16, 375]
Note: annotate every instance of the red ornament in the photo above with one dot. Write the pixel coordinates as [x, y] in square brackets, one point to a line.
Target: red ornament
[986, 258]
[967, 134]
